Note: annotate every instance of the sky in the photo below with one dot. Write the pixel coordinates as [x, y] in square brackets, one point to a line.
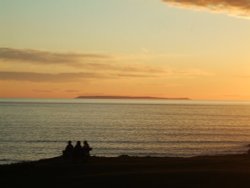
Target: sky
[159, 48]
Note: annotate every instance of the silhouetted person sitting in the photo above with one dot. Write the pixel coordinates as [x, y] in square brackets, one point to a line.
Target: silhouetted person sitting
[86, 149]
[77, 153]
[68, 152]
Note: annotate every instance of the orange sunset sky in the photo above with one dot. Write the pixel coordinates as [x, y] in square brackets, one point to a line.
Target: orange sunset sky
[160, 48]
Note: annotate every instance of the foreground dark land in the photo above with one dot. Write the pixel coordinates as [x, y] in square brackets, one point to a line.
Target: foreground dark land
[205, 171]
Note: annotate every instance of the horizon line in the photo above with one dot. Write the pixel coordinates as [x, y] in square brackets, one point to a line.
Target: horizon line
[193, 99]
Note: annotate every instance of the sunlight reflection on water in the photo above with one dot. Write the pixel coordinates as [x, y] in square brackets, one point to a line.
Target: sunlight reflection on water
[34, 129]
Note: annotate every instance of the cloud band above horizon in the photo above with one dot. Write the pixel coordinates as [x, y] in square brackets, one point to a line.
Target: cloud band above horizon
[231, 7]
[46, 57]
[84, 67]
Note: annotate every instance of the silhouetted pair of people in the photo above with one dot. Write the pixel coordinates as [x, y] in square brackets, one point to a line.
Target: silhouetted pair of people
[77, 152]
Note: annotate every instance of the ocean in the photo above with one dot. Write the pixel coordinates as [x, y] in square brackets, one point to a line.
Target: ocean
[32, 129]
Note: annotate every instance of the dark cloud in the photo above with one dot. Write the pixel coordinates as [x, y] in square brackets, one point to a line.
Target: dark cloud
[46, 57]
[236, 7]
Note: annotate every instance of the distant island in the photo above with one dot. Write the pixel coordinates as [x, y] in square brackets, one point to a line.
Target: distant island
[128, 97]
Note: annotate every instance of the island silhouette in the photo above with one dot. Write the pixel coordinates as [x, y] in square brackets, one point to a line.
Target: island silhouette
[129, 97]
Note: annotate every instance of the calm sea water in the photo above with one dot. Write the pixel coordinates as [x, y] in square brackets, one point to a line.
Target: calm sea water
[32, 129]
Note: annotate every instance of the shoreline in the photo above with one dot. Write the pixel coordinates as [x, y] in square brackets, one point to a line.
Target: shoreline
[125, 171]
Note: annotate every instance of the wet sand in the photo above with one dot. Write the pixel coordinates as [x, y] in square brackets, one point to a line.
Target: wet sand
[202, 171]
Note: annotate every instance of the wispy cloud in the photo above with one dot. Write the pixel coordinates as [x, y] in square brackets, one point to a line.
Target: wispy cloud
[232, 7]
[65, 77]
[84, 61]
[80, 76]
[47, 77]
[46, 57]
[85, 67]
[72, 91]
[192, 73]
[43, 90]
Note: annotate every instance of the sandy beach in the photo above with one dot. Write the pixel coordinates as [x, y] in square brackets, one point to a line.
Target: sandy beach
[125, 171]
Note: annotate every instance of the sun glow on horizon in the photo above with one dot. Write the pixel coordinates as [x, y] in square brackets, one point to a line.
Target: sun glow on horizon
[118, 48]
